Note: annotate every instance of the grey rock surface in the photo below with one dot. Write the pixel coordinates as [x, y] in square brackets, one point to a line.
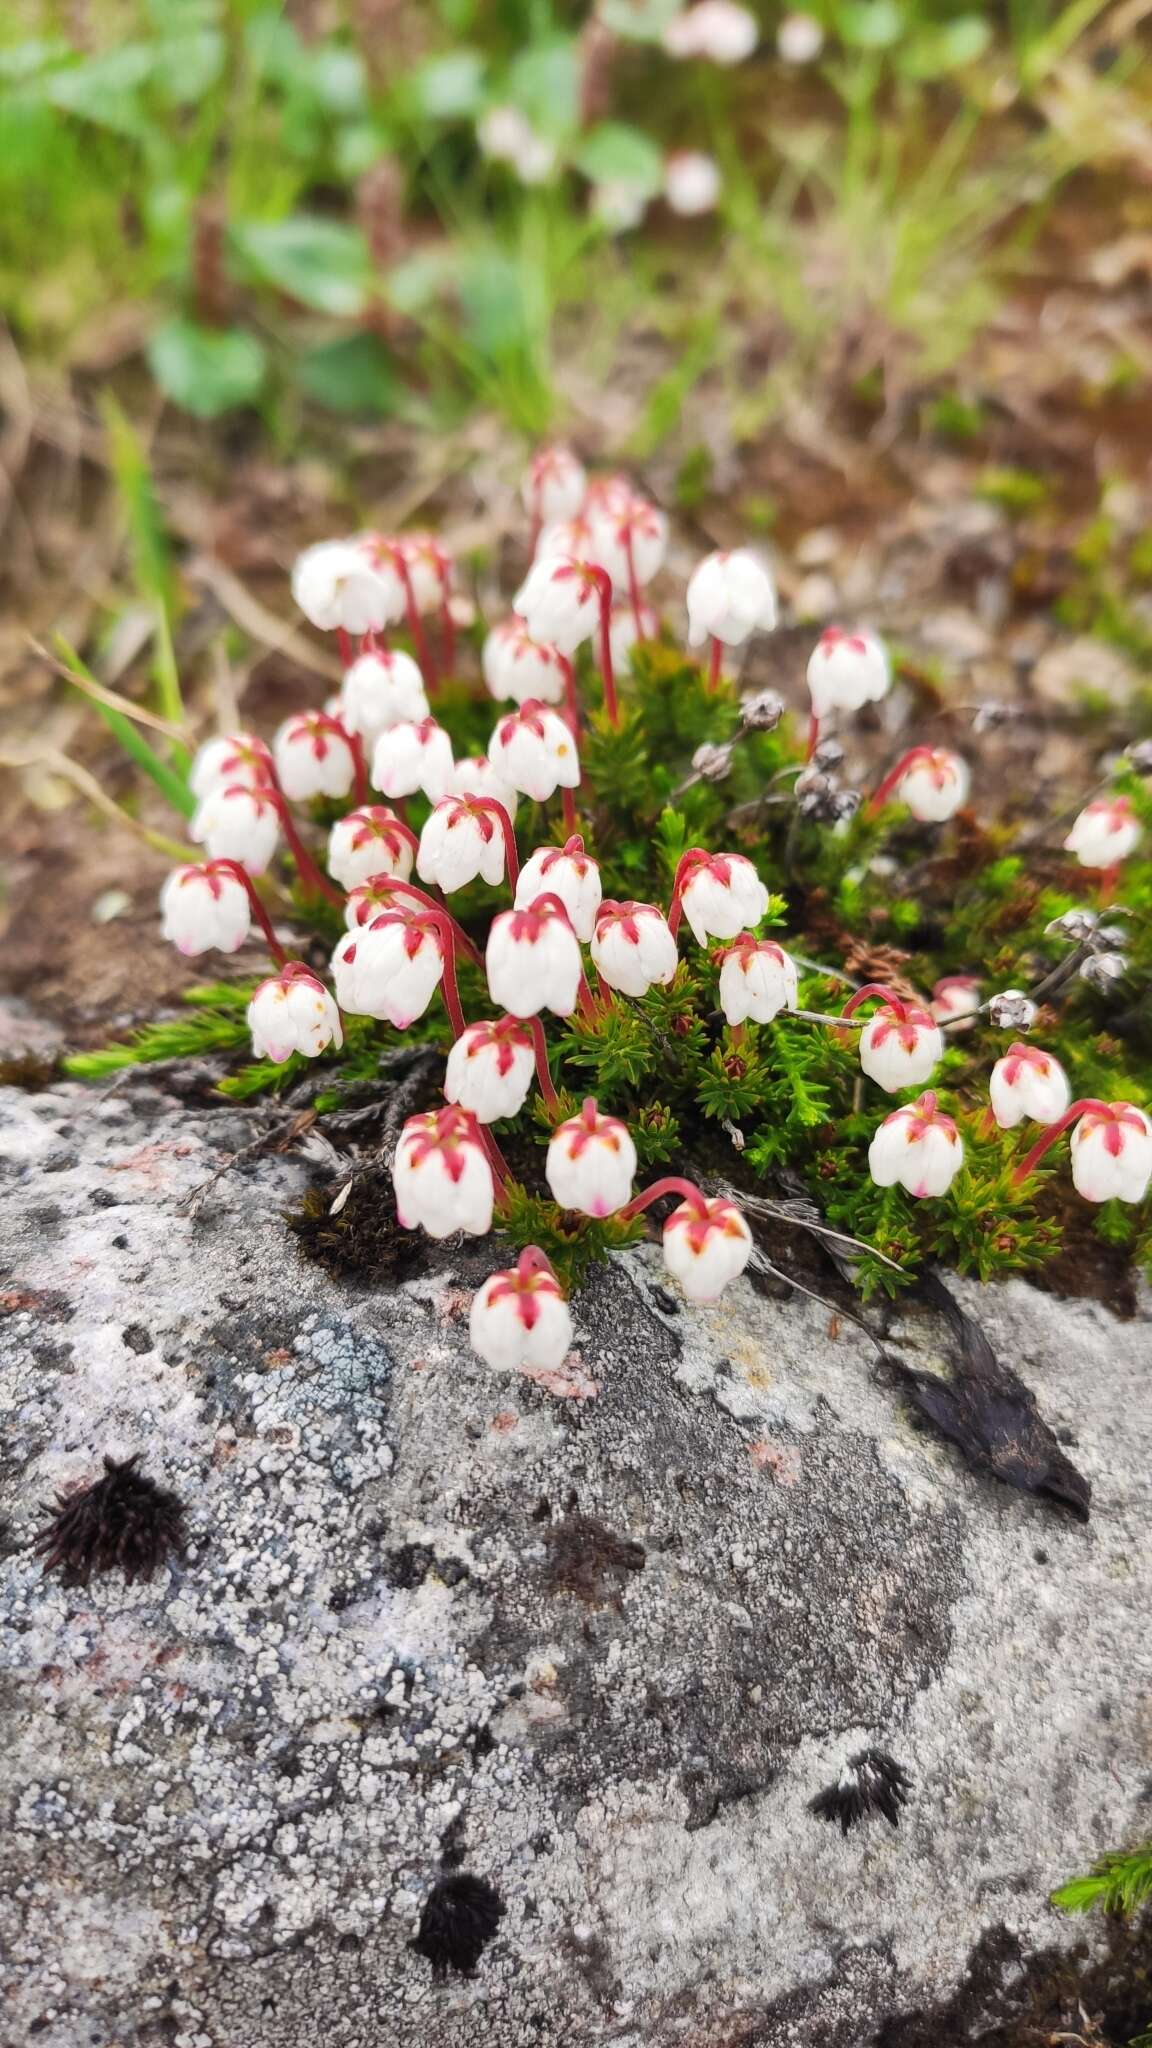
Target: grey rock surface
[601, 1649]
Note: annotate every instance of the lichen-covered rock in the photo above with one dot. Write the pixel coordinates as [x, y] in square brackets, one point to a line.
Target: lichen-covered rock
[599, 1652]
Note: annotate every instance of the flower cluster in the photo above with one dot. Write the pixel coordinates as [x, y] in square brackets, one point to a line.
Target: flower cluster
[558, 946]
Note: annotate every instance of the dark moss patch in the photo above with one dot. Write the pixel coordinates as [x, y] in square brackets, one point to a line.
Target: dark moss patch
[122, 1522]
[365, 1241]
[1009, 2001]
[588, 1559]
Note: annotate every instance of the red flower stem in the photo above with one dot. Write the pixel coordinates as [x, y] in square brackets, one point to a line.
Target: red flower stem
[446, 619]
[415, 622]
[633, 586]
[813, 736]
[311, 878]
[876, 988]
[568, 806]
[670, 1185]
[495, 809]
[1108, 880]
[360, 769]
[715, 658]
[496, 1158]
[234, 867]
[884, 789]
[344, 643]
[395, 886]
[604, 589]
[676, 907]
[1087, 1106]
[571, 700]
[543, 1070]
[449, 989]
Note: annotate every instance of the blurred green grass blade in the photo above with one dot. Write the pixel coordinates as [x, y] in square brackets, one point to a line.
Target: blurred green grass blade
[170, 784]
[151, 556]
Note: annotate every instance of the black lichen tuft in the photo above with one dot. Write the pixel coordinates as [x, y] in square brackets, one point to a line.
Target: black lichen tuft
[121, 1522]
[871, 1782]
[461, 1915]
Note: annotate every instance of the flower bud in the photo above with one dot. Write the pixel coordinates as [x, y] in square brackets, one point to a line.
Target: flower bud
[591, 1163]
[900, 1048]
[634, 947]
[1077, 926]
[572, 875]
[389, 969]
[559, 601]
[554, 486]
[721, 893]
[534, 750]
[731, 595]
[954, 996]
[458, 843]
[1011, 1010]
[847, 670]
[490, 1069]
[237, 760]
[238, 824]
[412, 756]
[202, 910]
[533, 961]
[520, 1320]
[381, 689]
[1104, 970]
[935, 787]
[712, 762]
[370, 841]
[518, 667]
[757, 980]
[706, 1244]
[340, 584]
[1027, 1082]
[1112, 1154]
[441, 1174]
[313, 757]
[918, 1146]
[1105, 833]
[1140, 756]
[293, 1012]
[762, 712]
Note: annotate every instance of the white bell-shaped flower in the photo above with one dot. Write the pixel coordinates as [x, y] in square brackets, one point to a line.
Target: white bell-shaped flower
[533, 749]
[900, 1046]
[847, 670]
[1112, 1153]
[293, 1012]
[1028, 1083]
[629, 539]
[935, 785]
[460, 842]
[572, 875]
[919, 1147]
[415, 755]
[1105, 833]
[382, 688]
[490, 1069]
[339, 584]
[625, 630]
[204, 910]
[591, 1162]
[533, 961]
[237, 759]
[520, 1320]
[719, 31]
[476, 776]
[389, 969]
[706, 1244]
[731, 595]
[633, 947]
[429, 567]
[441, 1174]
[955, 996]
[559, 601]
[314, 757]
[720, 894]
[554, 485]
[692, 182]
[370, 841]
[239, 824]
[758, 979]
[518, 667]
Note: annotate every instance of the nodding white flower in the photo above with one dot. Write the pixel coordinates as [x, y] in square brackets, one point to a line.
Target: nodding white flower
[381, 689]
[240, 824]
[429, 567]
[341, 584]
[731, 595]
[533, 960]
[367, 899]
[591, 1162]
[389, 969]
[899, 1048]
[508, 137]
[293, 1012]
[554, 486]
[1112, 1153]
[370, 841]
[517, 666]
[692, 182]
[935, 785]
[458, 843]
[559, 600]
[625, 630]
[846, 670]
[519, 1318]
[955, 995]
[572, 875]
[629, 525]
[706, 1244]
[1104, 833]
[1026, 1082]
[441, 1174]
[634, 947]
[237, 759]
[565, 537]
[918, 1146]
[314, 757]
[490, 1069]
[720, 894]
[475, 776]
[717, 30]
[618, 204]
[202, 909]
[534, 750]
[413, 755]
[757, 979]
[799, 39]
